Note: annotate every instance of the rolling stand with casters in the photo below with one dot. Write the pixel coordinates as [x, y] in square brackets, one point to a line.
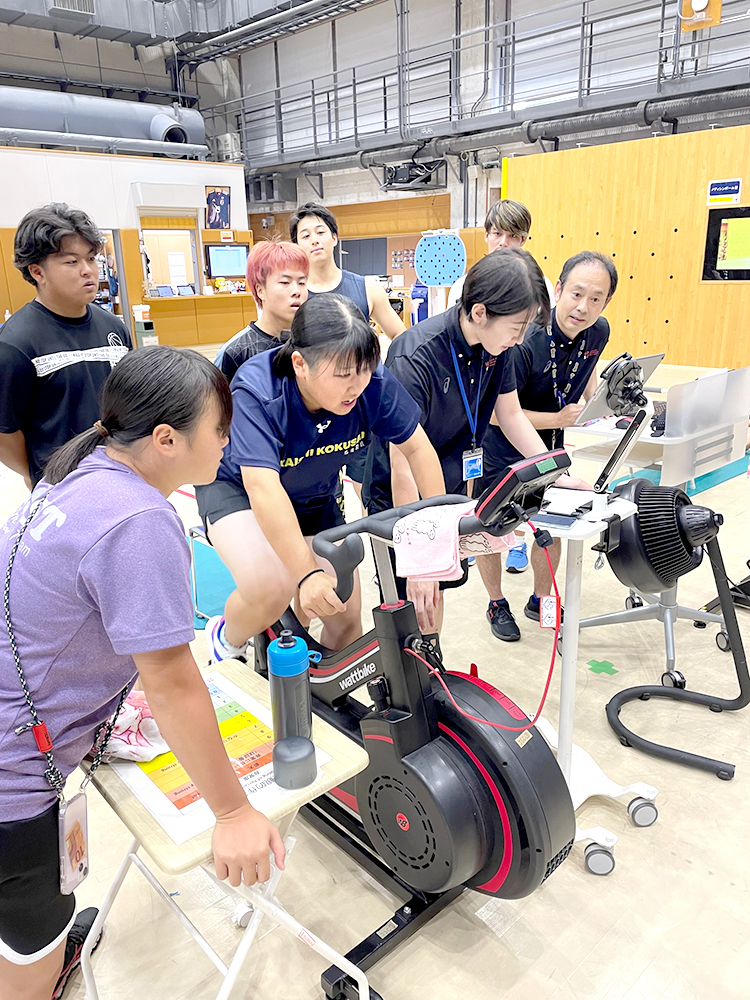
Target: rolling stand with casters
[584, 776]
[461, 791]
[664, 541]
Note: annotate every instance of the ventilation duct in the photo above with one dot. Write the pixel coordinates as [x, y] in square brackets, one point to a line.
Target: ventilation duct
[50, 118]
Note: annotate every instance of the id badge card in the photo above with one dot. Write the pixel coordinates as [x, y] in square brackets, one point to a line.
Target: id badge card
[472, 463]
[73, 842]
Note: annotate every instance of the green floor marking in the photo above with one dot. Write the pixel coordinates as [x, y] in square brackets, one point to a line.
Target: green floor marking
[601, 667]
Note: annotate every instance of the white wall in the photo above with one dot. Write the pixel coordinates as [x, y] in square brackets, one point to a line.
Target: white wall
[111, 189]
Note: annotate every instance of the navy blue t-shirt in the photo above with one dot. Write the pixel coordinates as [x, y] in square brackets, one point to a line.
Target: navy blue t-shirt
[536, 390]
[421, 360]
[273, 429]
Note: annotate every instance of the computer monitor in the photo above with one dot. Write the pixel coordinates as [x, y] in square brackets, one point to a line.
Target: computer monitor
[185, 290]
[226, 260]
[164, 291]
[727, 253]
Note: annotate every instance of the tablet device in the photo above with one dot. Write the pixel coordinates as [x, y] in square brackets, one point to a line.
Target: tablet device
[597, 405]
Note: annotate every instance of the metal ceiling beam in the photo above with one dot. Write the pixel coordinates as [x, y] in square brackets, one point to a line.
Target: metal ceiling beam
[255, 33]
[108, 88]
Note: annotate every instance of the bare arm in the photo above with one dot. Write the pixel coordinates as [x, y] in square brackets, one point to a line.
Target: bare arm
[381, 310]
[516, 426]
[278, 522]
[184, 713]
[14, 456]
[565, 417]
[424, 469]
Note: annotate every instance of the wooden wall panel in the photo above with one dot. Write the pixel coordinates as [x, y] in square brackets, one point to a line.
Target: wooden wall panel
[644, 203]
[397, 217]
[17, 292]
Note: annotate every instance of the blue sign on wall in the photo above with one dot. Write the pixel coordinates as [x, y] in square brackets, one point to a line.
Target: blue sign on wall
[724, 192]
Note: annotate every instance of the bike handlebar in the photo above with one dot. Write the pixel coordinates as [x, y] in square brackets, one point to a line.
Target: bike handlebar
[349, 554]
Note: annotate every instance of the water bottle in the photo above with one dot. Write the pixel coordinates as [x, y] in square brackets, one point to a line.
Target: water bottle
[289, 675]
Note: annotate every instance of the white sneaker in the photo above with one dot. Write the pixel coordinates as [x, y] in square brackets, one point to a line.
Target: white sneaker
[218, 647]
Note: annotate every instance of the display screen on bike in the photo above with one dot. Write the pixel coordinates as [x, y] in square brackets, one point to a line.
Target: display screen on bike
[521, 484]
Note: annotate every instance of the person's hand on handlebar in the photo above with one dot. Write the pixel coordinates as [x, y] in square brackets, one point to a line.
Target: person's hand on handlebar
[424, 595]
[317, 596]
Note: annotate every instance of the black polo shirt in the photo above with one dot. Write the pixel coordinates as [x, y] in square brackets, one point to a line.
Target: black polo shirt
[421, 360]
[532, 362]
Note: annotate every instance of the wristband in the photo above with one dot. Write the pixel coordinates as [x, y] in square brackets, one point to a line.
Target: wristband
[308, 575]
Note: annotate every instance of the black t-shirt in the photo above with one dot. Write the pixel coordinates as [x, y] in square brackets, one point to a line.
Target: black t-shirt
[243, 345]
[575, 360]
[52, 369]
[421, 359]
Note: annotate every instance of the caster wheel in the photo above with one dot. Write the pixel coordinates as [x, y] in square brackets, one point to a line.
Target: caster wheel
[598, 860]
[722, 641]
[673, 679]
[241, 915]
[642, 812]
[633, 602]
[559, 646]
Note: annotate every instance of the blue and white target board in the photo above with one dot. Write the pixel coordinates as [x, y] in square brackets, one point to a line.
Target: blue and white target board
[440, 259]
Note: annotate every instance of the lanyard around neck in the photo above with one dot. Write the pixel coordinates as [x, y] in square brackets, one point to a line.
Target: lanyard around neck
[561, 396]
[472, 418]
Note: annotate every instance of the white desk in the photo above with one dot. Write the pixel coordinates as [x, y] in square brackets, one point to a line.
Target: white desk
[347, 758]
[583, 775]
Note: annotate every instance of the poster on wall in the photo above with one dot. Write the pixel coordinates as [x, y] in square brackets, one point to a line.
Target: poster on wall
[217, 207]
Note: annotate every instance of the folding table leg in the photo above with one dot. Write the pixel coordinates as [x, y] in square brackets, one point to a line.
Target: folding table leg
[91, 938]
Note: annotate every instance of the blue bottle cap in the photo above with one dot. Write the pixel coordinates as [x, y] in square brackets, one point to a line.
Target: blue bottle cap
[288, 655]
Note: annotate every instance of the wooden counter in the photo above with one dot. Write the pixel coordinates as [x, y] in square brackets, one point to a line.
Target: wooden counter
[185, 320]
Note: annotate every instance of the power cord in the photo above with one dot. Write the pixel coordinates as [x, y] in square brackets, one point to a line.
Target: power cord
[544, 540]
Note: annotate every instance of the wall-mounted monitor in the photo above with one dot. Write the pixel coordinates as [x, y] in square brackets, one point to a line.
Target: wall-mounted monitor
[226, 260]
[727, 256]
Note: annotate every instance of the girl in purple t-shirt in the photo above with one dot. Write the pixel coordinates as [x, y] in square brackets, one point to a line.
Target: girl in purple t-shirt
[99, 592]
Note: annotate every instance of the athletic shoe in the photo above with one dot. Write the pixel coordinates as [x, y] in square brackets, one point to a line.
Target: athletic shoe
[74, 946]
[502, 622]
[219, 649]
[531, 609]
[517, 560]
[470, 560]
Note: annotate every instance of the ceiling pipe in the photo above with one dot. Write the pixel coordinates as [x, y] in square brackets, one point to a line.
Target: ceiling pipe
[107, 143]
[236, 34]
[642, 115]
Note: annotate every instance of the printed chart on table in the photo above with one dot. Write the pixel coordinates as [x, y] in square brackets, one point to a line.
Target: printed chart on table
[165, 788]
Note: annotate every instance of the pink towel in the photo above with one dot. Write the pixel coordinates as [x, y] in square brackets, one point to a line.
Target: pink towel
[135, 735]
[428, 547]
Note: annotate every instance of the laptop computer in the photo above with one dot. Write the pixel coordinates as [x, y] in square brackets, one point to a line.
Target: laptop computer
[597, 405]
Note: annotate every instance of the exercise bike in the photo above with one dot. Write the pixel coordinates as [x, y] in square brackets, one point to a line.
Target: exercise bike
[461, 791]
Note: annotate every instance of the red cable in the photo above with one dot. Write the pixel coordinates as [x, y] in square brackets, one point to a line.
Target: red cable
[497, 725]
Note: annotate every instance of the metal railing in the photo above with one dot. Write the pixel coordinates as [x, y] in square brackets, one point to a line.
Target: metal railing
[574, 55]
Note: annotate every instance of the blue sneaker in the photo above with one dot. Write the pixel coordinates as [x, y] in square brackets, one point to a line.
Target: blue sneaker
[518, 559]
[218, 647]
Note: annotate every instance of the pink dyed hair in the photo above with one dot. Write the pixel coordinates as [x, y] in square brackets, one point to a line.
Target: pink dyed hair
[270, 256]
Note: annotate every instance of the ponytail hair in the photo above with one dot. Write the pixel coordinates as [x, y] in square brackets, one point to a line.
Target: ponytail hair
[329, 326]
[148, 387]
[506, 282]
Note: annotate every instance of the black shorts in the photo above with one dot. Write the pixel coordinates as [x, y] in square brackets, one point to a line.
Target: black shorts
[223, 497]
[34, 915]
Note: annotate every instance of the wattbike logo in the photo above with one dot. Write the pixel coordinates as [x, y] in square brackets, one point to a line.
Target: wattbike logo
[357, 675]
